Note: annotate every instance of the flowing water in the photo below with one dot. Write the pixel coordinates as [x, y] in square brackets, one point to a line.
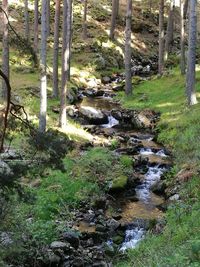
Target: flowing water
[146, 206]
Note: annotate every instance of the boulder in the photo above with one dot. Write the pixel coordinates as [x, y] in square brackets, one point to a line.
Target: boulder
[72, 238]
[59, 245]
[93, 115]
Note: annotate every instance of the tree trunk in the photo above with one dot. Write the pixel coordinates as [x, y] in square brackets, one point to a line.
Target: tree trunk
[36, 13]
[5, 48]
[26, 19]
[182, 39]
[191, 60]
[170, 30]
[85, 20]
[185, 8]
[128, 82]
[161, 38]
[113, 19]
[117, 7]
[56, 49]
[43, 89]
[67, 21]
[48, 17]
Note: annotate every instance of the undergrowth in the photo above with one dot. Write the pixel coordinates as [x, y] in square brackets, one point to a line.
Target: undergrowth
[178, 129]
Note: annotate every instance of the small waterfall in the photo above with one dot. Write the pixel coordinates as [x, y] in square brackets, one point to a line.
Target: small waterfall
[111, 122]
[143, 191]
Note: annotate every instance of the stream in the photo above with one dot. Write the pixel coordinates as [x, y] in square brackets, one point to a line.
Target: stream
[119, 220]
[146, 205]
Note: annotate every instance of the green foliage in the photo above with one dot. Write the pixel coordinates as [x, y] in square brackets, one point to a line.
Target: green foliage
[178, 129]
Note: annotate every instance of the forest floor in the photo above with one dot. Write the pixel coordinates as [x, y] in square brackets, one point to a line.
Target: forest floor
[49, 198]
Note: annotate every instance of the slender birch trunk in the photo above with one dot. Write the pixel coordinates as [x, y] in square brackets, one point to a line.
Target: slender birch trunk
[128, 81]
[191, 60]
[113, 19]
[56, 49]
[67, 28]
[43, 52]
[170, 31]
[182, 39]
[161, 38]
[48, 11]
[36, 15]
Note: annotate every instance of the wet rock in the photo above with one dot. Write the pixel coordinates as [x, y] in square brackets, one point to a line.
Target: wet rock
[78, 262]
[159, 188]
[59, 245]
[106, 80]
[135, 119]
[93, 115]
[174, 197]
[117, 88]
[113, 224]
[51, 258]
[72, 238]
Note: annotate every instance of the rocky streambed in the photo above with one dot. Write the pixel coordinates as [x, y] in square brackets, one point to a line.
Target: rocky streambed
[120, 219]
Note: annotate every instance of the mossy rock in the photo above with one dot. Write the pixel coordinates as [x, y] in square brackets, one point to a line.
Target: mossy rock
[119, 183]
[136, 80]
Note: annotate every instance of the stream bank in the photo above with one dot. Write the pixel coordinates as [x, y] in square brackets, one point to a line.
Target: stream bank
[132, 205]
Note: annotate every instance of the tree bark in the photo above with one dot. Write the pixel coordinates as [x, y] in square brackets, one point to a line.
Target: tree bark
[161, 38]
[128, 82]
[36, 15]
[191, 60]
[43, 89]
[26, 19]
[48, 17]
[85, 20]
[113, 19]
[5, 48]
[117, 7]
[67, 27]
[185, 8]
[170, 30]
[56, 49]
[182, 39]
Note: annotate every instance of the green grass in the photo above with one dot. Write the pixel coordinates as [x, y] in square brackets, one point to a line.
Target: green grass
[178, 129]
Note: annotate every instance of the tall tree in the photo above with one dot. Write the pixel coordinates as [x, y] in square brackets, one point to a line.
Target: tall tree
[113, 19]
[170, 30]
[5, 47]
[182, 39]
[56, 49]
[36, 15]
[191, 59]
[128, 82]
[43, 52]
[48, 16]
[161, 38]
[66, 47]
[117, 11]
[185, 8]
[26, 19]
[85, 19]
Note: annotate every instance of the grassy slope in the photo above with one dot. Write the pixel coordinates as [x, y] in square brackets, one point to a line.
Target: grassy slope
[179, 128]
